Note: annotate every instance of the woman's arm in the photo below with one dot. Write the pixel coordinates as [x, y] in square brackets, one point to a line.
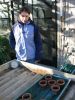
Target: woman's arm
[12, 40]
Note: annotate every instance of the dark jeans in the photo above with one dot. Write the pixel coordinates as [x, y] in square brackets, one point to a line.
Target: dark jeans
[31, 60]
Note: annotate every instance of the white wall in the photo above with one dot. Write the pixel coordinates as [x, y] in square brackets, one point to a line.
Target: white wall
[66, 38]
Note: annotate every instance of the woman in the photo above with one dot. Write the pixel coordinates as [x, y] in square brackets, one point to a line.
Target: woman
[25, 38]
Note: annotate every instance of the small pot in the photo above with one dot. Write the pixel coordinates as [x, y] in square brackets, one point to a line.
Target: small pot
[48, 77]
[60, 82]
[51, 82]
[42, 83]
[55, 88]
[26, 96]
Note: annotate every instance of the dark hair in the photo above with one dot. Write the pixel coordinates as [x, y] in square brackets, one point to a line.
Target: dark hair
[26, 9]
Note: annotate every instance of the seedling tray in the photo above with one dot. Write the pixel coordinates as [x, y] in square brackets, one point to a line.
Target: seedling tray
[69, 68]
[45, 93]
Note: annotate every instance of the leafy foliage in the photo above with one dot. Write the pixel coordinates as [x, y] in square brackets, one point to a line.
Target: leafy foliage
[5, 50]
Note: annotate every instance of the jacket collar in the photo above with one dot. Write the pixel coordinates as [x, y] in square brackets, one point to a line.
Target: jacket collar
[28, 22]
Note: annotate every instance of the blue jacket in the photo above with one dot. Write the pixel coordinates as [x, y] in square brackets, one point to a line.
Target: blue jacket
[26, 40]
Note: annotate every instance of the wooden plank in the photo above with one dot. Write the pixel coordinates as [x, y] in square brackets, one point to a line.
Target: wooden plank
[5, 65]
[16, 85]
[4, 72]
[13, 81]
[12, 74]
[71, 94]
[8, 74]
[43, 70]
[18, 92]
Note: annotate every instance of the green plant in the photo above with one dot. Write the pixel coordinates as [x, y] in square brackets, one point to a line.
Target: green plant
[5, 50]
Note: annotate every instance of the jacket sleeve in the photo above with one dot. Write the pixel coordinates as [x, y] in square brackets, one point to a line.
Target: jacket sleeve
[38, 43]
[12, 40]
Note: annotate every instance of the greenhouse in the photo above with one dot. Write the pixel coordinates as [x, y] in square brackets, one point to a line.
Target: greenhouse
[37, 49]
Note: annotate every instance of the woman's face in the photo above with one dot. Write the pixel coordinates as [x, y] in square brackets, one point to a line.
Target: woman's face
[24, 17]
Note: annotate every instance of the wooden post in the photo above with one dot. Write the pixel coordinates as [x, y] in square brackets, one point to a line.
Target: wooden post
[23, 4]
[12, 12]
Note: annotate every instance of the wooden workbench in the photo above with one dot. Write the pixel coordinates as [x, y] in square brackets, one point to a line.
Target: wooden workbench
[14, 82]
